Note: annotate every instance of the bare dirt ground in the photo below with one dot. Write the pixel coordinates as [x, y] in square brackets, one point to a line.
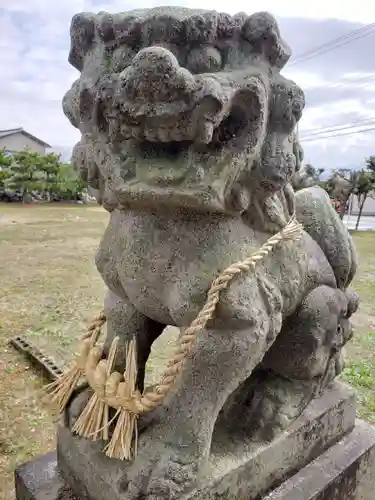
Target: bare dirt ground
[50, 290]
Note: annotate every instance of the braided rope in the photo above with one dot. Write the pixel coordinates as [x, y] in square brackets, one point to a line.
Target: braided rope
[95, 328]
[137, 403]
[62, 389]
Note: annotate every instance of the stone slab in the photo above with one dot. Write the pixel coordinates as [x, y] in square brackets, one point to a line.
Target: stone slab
[345, 472]
[39, 479]
[238, 469]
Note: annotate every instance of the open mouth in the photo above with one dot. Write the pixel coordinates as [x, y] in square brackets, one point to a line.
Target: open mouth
[238, 126]
[210, 129]
[168, 110]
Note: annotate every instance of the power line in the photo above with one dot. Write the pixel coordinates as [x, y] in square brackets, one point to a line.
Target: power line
[334, 40]
[333, 44]
[310, 139]
[364, 82]
[328, 49]
[369, 79]
[328, 128]
[317, 134]
[336, 128]
[364, 31]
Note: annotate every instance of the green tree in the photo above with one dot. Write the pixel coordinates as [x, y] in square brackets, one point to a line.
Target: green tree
[370, 164]
[5, 162]
[68, 183]
[49, 167]
[25, 173]
[364, 185]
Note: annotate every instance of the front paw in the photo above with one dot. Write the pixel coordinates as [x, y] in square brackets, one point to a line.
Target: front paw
[159, 472]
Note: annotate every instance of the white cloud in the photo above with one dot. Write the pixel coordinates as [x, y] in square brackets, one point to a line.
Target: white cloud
[305, 79]
[340, 148]
[35, 74]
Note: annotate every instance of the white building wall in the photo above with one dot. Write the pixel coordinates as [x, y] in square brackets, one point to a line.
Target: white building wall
[18, 142]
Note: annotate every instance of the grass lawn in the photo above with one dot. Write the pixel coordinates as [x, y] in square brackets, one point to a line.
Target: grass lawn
[50, 290]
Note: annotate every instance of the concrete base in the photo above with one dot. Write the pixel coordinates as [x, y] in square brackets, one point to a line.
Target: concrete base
[40, 480]
[238, 468]
[345, 472]
[297, 464]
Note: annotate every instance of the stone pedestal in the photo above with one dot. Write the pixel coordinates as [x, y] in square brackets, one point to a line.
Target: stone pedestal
[40, 480]
[325, 455]
[345, 472]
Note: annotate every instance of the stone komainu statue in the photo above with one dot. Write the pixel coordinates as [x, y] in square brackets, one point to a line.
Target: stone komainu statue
[188, 138]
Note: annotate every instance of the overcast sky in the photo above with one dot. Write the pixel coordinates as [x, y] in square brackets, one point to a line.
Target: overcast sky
[339, 85]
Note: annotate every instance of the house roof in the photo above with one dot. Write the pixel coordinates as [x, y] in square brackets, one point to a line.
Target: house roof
[20, 130]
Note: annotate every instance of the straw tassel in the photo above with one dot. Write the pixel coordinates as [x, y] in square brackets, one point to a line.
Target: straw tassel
[126, 429]
[93, 422]
[62, 389]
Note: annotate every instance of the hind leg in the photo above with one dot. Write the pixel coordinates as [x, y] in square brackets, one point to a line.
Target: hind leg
[265, 405]
[124, 321]
[305, 358]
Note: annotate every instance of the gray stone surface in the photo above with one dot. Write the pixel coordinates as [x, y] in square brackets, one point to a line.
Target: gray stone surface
[237, 468]
[39, 479]
[344, 472]
[314, 211]
[188, 136]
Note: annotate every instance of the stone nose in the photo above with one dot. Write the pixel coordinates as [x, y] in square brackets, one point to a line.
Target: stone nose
[155, 60]
[155, 76]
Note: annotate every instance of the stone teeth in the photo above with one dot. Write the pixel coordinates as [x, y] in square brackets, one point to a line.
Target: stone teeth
[150, 134]
[205, 133]
[125, 130]
[177, 135]
[135, 132]
[163, 134]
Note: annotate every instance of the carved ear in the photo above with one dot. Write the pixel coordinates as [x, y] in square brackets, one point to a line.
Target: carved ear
[250, 104]
[82, 33]
[262, 31]
[252, 98]
[205, 117]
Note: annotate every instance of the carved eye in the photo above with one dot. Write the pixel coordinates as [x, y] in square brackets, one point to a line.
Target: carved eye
[174, 49]
[206, 60]
[291, 163]
[122, 57]
[298, 102]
